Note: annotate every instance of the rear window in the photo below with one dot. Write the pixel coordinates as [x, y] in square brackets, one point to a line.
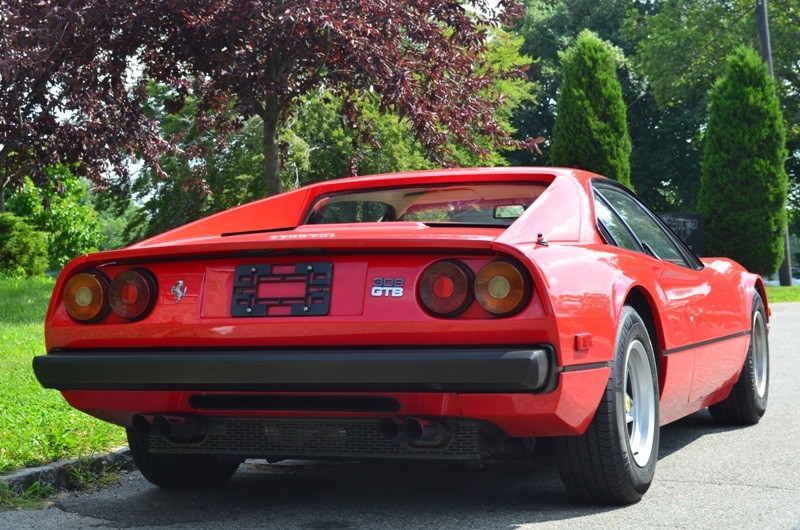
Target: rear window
[485, 204]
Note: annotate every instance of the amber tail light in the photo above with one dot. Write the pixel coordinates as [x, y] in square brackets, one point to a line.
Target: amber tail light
[444, 288]
[501, 288]
[132, 294]
[86, 296]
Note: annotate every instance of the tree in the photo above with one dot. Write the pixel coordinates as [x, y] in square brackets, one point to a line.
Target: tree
[317, 142]
[240, 59]
[69, 220]
[682, 48]
[590, 131]
[743, 186]
[665, 159]
[65, 97]
[23, 250]
[548, 28]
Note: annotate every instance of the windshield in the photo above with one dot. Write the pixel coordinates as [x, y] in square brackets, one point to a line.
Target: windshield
[483, 204]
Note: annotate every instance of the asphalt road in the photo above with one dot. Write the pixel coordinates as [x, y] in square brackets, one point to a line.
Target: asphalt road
[707, 477]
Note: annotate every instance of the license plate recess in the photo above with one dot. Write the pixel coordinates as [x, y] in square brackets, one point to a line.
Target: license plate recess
[273, 290]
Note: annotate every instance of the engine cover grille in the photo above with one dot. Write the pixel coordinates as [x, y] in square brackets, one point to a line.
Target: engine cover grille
[329, 438]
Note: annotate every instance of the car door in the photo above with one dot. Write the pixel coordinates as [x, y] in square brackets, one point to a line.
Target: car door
[697, 299]
[629, 224]
[681, 286]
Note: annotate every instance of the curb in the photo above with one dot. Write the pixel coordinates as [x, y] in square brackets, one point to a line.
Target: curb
[58, 475]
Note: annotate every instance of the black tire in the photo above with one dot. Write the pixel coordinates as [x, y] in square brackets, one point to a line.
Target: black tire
[614, 461]
[179, 471]
[747, 402]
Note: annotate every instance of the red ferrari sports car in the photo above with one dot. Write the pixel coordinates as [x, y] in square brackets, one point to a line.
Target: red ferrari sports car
[438, 315]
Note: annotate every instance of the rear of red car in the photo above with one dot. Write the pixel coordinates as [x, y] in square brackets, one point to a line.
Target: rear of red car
[402, 339]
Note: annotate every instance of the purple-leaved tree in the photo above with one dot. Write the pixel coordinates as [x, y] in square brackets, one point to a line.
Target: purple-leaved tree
[74, 73]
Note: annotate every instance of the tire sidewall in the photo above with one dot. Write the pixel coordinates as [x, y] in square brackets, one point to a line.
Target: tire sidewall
[632, 328]
[760, 402]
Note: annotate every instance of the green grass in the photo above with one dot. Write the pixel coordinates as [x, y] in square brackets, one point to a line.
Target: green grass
[32, 498]
[37, 425]
[81, 475]
[783, 294]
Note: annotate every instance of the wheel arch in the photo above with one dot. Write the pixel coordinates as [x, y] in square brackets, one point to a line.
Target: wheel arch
[761, 289]
[640, 300]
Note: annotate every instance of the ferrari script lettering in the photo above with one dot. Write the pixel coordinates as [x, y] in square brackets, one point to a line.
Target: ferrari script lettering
[392, 287]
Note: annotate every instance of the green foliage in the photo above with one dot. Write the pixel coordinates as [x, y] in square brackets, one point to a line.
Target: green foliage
[231, 172]
[665, 160]
[682, 47]
[548, 28]
[36, 424]
[114, 225]
[591, 131]
[744, 185]
[23, 250]
[318, 144]
[332, 146]
[90, 474]
[70, 221]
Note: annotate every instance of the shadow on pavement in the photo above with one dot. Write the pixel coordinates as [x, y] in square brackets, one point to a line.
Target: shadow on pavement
[365, 494]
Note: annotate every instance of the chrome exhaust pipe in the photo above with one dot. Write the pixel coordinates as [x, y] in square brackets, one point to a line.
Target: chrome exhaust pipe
[178, 426]
[141, 424]
[422, 430]
[389, 427]
[169, 426]
[414, 430]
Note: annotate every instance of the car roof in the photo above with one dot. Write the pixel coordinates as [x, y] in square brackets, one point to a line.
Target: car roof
[285, 211]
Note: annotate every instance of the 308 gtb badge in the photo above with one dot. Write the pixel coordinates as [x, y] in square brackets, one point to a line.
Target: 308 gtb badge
[392, 287]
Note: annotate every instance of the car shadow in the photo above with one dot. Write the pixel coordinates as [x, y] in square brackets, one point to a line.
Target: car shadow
[306, 494]
[688, 430]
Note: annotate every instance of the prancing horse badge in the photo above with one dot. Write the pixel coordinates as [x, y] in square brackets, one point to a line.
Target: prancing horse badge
[178, 290]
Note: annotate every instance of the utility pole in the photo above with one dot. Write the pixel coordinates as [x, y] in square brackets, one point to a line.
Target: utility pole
[785, 272]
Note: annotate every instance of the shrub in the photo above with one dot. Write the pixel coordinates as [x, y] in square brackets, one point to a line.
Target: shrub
[591, 130]
[70, 221]
[743, 185]
[23, 250]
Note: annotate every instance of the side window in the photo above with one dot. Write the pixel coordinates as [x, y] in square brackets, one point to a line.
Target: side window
[614, 225]
[645, 228]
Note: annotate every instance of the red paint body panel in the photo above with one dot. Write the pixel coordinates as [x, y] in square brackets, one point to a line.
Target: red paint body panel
[565, 411]
[579, 285]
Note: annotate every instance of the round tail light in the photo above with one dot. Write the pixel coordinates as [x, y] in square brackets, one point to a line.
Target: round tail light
[85, 296]
[444, 288]
[132, 294]
[501, 288]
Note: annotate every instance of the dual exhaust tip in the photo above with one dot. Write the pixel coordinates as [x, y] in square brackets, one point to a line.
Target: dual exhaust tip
[412, 429]
[408, 429]
[186, 427]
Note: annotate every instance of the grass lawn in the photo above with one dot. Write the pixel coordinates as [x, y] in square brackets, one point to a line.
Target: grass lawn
[777, 293]
[37, 425]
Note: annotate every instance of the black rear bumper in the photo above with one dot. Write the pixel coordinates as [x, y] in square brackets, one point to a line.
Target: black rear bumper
[507, 369]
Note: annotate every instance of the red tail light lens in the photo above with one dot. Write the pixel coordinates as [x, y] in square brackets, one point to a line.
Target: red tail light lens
[85, 296]
[444, 288]
[501, 288]
[132, 294]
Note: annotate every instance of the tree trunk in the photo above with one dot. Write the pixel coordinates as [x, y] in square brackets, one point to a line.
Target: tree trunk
[785, 270]
[3, 179]
[272, 155]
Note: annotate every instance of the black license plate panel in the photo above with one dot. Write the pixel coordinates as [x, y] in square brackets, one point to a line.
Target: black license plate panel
[273, 290]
